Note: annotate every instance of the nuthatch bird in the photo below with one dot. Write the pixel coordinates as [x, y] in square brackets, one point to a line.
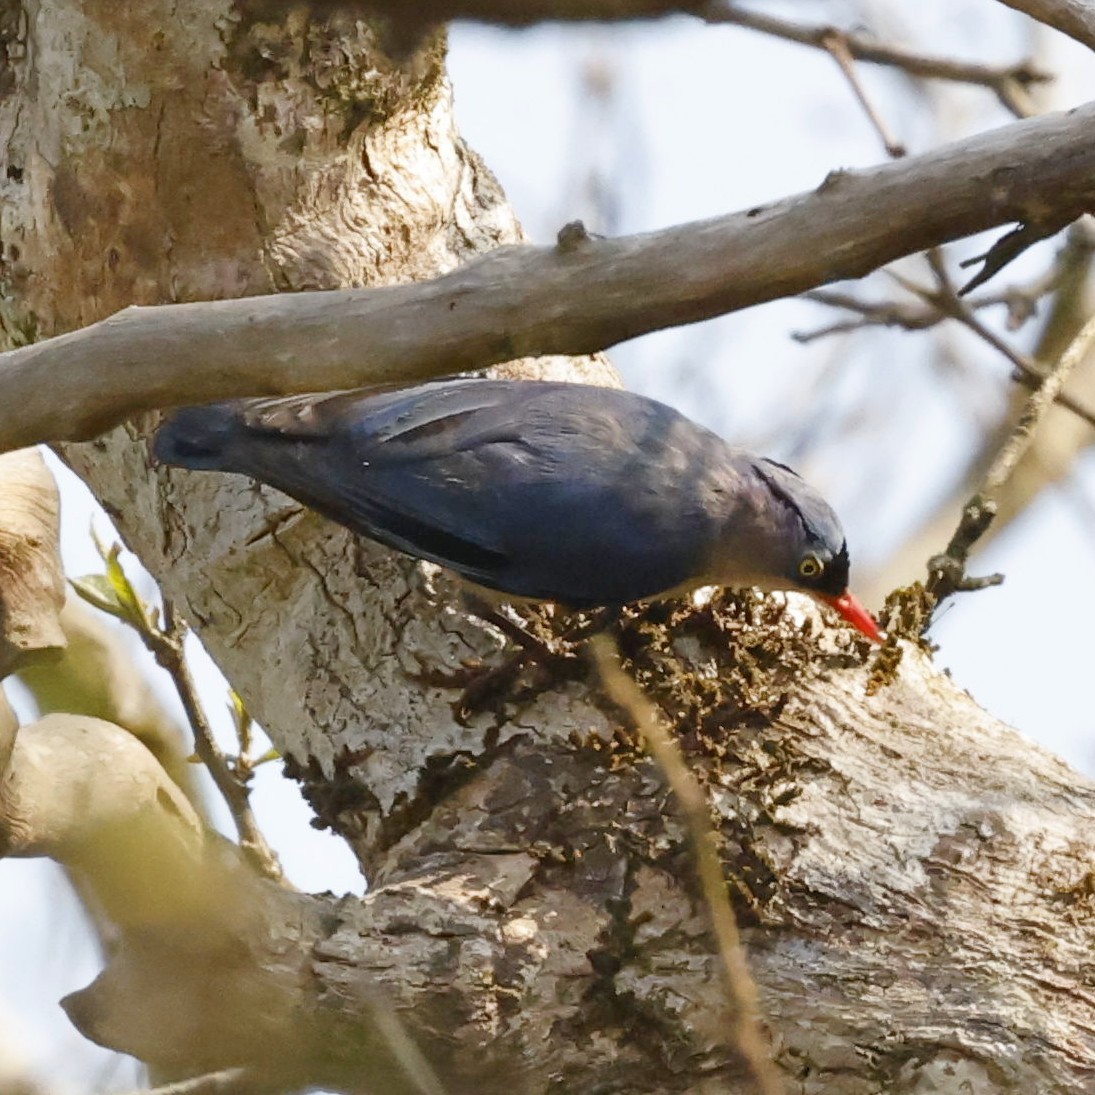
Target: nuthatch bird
[556, 492]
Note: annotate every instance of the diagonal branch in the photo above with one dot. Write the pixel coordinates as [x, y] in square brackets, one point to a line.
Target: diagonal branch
[947, 572]
[933, 309]
[836, 43]
[1076, 18]
[519, 301]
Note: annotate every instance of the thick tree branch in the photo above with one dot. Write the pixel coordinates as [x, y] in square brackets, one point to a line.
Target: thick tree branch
[1076, 18]
[525, 301]
[191, 919]
[71, 779]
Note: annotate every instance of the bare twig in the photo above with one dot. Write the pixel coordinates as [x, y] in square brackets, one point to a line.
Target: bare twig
[228, 1081]
[523, 301]
[947, 572]
[1021, 301]
[836, 44]
[1009, 247]
[1010, 83]
[1076, 18]
[167, 646]
[113, 592]
[936, 306]
[695, 811]
[947, 300]
[906, 314]
[1027, 371]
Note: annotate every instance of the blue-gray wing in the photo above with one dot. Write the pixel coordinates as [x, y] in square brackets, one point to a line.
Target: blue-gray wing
[553, 491]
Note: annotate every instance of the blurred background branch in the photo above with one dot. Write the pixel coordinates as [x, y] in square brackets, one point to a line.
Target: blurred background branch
[97, 674]
[1010, 83]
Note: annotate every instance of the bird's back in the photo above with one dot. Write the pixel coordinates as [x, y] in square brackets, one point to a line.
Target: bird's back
[544, 490]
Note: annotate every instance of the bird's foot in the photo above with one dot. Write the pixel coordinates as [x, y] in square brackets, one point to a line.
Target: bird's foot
[557, 658]
[541, 660]
[483, 685]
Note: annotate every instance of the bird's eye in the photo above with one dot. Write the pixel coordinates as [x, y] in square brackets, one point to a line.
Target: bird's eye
[810, 566]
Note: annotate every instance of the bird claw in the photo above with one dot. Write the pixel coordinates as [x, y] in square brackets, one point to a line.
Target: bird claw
[497, 682]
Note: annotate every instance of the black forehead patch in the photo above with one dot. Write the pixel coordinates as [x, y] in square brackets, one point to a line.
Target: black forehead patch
[836, 573]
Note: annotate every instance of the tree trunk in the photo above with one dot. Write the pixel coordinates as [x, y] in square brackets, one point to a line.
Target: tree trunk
[912, 878]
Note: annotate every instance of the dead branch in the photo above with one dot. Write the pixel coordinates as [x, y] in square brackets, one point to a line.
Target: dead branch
[935, 306]
[525, 301]
[836, 45]
[947, 572]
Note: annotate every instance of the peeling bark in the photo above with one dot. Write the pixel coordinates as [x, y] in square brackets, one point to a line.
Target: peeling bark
[912, 878]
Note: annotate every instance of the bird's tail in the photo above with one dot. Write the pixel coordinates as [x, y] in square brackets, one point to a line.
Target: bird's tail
[198, 437]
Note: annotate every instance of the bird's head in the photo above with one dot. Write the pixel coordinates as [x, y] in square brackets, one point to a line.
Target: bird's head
[802, 545]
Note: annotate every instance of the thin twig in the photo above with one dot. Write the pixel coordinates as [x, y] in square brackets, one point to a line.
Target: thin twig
[938, 307]
[947, 572]
[695, 811]
[1021, 302]
[167, 647]
[1009, 83]
[416, 1067]
[835, 42]
[1027, 371]
[226, 1082]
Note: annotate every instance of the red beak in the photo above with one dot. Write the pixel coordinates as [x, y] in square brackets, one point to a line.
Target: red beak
[856, 615]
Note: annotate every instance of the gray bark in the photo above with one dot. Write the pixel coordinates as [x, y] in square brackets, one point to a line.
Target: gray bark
[912, 877]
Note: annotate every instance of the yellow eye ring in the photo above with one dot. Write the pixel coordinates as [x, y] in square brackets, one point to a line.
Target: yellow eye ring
[810, 567]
